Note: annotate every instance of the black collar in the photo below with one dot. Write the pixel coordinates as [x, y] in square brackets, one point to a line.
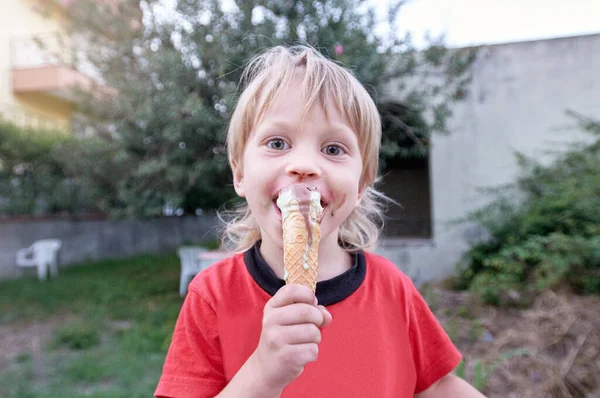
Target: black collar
[329, 292]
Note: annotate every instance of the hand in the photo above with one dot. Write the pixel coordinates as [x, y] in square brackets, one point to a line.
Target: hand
[290, 335]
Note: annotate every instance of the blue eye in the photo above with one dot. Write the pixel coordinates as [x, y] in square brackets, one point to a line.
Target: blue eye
[278, 144]
[333, 150]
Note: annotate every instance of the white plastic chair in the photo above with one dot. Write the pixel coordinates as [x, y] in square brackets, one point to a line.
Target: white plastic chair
[43, 254]
[194, 260]
[190, 266]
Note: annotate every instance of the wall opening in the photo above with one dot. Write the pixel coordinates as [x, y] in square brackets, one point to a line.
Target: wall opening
[405, 172]
[407, 182]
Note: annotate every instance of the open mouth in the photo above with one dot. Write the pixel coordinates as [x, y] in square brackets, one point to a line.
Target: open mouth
[278, 210]
[323, 204]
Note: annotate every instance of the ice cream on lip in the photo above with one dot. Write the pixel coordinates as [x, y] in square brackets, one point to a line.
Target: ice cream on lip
[301, 197]
[331, 203]
[338, 201]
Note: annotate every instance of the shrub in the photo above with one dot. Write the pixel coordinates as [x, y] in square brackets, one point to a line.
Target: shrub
[33, 178]
[544, 230]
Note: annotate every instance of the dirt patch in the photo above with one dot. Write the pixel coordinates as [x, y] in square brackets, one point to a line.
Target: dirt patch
[559, 336]
[29, 339]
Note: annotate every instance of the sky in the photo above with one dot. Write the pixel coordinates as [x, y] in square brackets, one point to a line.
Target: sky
[468, 22]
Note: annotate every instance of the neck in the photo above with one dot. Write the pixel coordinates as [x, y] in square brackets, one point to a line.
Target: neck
[333, 260]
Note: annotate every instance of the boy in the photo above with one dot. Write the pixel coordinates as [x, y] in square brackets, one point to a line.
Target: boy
[367, 333]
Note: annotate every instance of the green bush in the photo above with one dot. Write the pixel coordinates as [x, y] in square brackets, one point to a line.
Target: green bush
[544, 233]
[33, 177]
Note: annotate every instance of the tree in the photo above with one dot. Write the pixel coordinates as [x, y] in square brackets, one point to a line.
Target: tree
[176, 78]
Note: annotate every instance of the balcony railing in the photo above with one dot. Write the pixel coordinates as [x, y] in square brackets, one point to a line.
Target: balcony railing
[46, 63]
[29, 119]
[40, 50]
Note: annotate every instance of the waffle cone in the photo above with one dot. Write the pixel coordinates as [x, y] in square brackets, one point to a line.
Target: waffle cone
[296, 251]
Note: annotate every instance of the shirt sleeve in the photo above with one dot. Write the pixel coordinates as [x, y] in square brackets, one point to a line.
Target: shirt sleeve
[434, 353]
[193, 366]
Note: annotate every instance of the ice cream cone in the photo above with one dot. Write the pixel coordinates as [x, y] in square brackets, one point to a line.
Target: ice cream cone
[301, 236]
[301, 259]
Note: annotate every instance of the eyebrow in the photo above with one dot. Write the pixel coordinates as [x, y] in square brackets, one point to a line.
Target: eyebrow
[342, 130]
[277, 124]
[338, 129]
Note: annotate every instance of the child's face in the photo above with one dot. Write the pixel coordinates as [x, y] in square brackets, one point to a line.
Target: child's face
[285, 148]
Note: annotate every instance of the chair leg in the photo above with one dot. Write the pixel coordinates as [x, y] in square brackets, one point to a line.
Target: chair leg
[183, 282]
[42, 269]
[53, 270]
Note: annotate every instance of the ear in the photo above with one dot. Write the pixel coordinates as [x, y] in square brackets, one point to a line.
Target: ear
[238, 179]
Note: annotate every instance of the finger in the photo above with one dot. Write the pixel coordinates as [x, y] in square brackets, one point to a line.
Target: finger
[301, 354]
[290, 294]
[301, 334]
[294, 314]
[326, 316]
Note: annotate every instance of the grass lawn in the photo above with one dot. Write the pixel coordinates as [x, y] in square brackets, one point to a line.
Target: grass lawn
[99, 330]
[102, 330]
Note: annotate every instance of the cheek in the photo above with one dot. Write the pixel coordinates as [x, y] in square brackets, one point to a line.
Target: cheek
[258, 188]
[352, 188]
[352, 182]
[348, 186]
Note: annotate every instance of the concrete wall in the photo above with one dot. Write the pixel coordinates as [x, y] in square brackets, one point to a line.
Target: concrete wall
[517, 101]
[98, 239]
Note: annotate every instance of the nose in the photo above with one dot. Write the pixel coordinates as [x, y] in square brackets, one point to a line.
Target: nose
[302, 166]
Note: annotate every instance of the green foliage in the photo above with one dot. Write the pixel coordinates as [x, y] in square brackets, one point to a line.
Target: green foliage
[96, 164]
[79, 336]
[175, 81]
[213, 244]
[482, 370]
[33, 179]
[549, 236]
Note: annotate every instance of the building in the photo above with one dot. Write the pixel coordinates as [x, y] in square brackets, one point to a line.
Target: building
[37, 67]
[518, 101]
[34, 73]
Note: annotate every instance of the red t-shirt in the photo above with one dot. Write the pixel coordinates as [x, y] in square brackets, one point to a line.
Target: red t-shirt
[383, 340]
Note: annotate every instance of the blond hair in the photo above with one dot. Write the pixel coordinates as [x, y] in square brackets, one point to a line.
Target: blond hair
[323, 80]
